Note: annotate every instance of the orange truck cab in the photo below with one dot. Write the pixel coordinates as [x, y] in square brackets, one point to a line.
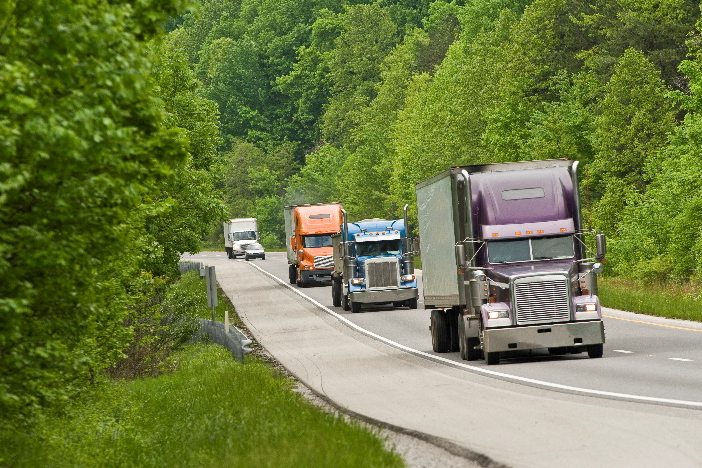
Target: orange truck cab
[308, 230]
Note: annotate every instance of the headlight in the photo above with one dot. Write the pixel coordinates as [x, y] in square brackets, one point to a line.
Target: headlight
[496, 314]
[406, 278]
[586, 308]
[358, 281]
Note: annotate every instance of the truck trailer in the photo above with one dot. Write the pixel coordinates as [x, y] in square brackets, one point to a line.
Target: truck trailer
[373, 264]
[504, 261]
[308, 231]
[238, 233]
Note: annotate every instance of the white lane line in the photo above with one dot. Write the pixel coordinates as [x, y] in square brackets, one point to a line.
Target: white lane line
[622, 351]
[541, 383]
[680, 359]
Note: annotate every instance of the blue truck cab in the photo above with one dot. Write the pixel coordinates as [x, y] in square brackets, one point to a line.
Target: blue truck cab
[373, 265]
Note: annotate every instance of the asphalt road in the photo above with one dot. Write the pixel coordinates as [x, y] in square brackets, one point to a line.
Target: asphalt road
[639, 405]
[644, 356]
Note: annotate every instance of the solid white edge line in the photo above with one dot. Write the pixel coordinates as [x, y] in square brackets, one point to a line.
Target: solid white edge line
[508, 377]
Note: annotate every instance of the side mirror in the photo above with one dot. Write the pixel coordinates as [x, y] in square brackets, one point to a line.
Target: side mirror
[597, 268]
[601, 247]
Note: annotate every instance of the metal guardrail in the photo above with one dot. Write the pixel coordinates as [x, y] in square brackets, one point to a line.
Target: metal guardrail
[235, 341]
[184, 267]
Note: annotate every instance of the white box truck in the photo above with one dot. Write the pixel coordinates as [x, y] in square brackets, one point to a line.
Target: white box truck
[239, 232]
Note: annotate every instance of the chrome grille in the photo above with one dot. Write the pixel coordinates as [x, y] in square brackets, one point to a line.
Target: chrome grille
[324, 261]
[382, 273]
[539, 300]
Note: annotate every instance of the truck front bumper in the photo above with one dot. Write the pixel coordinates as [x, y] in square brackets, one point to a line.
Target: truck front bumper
[544, 336]
[315, 275]
[383, 295]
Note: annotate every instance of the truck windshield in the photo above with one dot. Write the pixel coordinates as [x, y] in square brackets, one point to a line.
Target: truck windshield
[322, 240]
[525, 250]
[245, 235]
[378, 248]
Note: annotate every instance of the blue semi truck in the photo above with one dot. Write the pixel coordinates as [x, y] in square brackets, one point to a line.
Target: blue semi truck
[373, 264]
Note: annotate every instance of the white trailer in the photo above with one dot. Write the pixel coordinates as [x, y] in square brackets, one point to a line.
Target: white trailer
[239, 232]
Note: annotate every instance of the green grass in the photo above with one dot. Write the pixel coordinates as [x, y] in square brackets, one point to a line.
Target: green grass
[211, 411]
[663, 300]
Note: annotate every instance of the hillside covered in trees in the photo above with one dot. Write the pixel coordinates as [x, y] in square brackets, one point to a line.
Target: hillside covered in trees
[358, 101]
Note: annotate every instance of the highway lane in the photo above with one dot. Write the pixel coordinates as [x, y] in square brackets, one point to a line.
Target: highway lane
[511, 423]
[644, 356]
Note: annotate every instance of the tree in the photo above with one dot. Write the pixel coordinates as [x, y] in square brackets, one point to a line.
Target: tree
[83, 142]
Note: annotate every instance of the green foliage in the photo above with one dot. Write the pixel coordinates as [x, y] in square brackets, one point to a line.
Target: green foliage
[83, 143]
[211, 411]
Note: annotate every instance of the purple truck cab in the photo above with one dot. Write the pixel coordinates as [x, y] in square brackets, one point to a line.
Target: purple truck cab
[505, 267]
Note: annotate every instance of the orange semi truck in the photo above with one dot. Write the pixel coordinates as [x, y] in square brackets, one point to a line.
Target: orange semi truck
[308, 230]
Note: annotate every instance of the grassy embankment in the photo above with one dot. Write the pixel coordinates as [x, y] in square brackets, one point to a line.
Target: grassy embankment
[208, 411]
[662, 300]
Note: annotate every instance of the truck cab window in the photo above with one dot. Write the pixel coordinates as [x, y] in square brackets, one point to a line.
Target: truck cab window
[323, 240]
[245, 235]
[509, 251]
[378, 248]
[525, 250]
[552, 247]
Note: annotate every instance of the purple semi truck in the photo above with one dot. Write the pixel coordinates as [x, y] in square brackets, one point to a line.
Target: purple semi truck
[504, 263]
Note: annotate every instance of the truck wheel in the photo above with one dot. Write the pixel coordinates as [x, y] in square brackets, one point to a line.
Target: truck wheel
[336, 293]
[263, 257]
[595, 350]
[292, 273]
[440, 331]
[355, 307]
[453, 316]
[346, 302]
[492, 359]
[412, 303]
[246, 257]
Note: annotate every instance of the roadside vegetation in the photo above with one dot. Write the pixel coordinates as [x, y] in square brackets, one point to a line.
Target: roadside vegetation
[210, 411]
[661, 300]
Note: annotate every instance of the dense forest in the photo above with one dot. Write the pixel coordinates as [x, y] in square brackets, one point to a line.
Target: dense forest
[130, 130]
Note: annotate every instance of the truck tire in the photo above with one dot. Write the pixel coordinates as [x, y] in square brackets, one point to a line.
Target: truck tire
[595, 350]
[492, 359]
[263, 257]
[246, 257]
[440, 331]
[336, 293]
[412, 303]
[346, 302]
[355, 307]
[453, 316]
[292, 273]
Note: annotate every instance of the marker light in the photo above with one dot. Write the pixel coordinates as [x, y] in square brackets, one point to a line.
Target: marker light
[563, 229]
[494, 234]
[357, 281]
[518, 233]
[530, 232]
[540, 231]
[406, 278]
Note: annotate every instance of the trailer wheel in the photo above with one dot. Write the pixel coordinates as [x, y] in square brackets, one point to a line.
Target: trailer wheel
[355, 307]
[595, 350]
[492, 359]
[336, 293]
[412, 303]
[346, 302]
[292, 273]
[440, 331]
